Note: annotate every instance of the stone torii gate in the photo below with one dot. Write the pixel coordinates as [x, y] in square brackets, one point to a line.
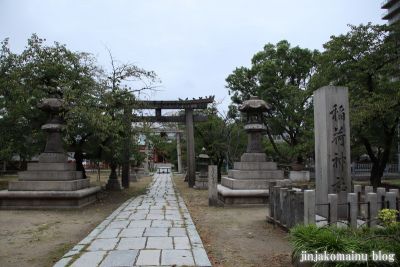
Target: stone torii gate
[189, 118]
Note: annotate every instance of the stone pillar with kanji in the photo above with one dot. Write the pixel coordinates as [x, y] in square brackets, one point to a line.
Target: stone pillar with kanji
[332, 147]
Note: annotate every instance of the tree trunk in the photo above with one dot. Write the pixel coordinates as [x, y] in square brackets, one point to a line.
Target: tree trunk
[78, 156]
[376, 174]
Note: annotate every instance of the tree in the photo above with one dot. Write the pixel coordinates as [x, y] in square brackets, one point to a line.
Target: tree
[223, 139]
[120, 84]
[366, 61]
[280, 74]
[39, 71]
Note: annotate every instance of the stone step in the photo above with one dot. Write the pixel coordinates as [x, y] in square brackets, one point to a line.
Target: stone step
[245, 184]
[49, 175]
[255, 166]
[51, 166]
[244, 175]
[53, 157]
[253, 157]
[48, 185]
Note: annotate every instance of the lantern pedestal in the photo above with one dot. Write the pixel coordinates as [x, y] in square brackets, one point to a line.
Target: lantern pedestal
[53, 182]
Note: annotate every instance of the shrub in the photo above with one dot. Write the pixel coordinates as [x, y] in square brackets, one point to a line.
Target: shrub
[346, 240]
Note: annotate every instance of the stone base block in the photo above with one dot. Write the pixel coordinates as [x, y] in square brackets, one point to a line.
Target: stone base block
[232, 197]
[52, 157]
[48, 199]
[253, 157]
[256, 174]
[255, 166]
[48, 185]
[245, 184]
[299, 176]
[55, 166]
[49, 175]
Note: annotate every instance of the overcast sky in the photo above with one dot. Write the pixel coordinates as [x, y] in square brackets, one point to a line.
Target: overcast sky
[193, 45]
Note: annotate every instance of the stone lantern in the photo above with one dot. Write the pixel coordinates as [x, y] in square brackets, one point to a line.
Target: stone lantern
[201, 181]
[247, 183]
[52, 182]
[255, 128]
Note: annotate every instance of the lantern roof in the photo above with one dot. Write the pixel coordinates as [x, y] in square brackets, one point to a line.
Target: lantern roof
[254, 104]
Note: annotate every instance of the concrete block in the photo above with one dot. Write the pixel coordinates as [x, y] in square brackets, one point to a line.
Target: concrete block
[333, 208]
[353, 204]
[268, 166]
[257, 174]
[380, 195]
[132, 243]
[309, 207]
[182, 242]
[371, 198]
[156, 232]
[103, 244]
[92, 258]
[53, 157]
[253, 157]
[299, 176]
[244, 184]
[119, 258]
[391, 200]
[176, 257]
[48, 185]
[148, 257]
[49, 175]
[56, 166]
[159, 243]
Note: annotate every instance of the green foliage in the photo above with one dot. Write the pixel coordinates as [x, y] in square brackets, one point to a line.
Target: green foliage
[97, 103]
[366, 61]
[280, 74]
[346, 240]
[388, 216]
[223, 139]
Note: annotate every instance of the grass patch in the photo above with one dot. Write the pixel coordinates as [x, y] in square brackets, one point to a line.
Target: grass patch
[346, 240]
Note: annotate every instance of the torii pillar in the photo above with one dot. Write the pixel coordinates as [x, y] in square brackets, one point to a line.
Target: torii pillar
[190, 147]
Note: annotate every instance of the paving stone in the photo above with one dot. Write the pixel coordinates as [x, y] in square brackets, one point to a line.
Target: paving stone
[86, 240]
[173, 217]
[155, 217]
[159, 243]
[118, 224]
[149, 257]
[200, 257]
[177, 232]
[156, 232]
[120, 258]
[132, 243]
[152, 229]
[132, 232]
[109, 233]
[140, 223]
[63, 262]
[103, 244]
[138, 216]
[89, 259]
[182, 242]
[161, 223]
[176, 257]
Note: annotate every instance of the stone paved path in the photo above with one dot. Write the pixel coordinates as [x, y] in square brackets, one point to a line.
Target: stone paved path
[150, 230]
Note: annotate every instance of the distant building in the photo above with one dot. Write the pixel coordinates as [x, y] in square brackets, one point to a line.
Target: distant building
[392, 13]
